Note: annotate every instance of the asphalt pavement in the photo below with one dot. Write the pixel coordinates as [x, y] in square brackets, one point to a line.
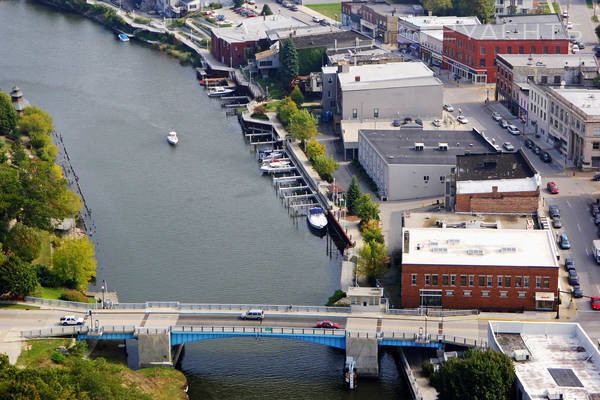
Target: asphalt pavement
[269, 320]
[581, 17]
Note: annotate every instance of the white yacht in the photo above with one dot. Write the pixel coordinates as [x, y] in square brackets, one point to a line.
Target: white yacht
[277, 165]
[172, 138]
[317, 218]
[219, 91]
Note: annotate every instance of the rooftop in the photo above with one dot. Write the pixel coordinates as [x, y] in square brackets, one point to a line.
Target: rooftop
[419, 146]
[254, 29]
[395, 9]
[563, 359]
[435, 219]
[586, 100]
[435, 22]
[362, 55]
[493, 166]
[330, 39]
[480, 247]
[549, 60]
[380, 76]
[365, 291]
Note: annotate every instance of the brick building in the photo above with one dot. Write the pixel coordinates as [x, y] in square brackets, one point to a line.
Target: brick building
[496, 183]
[470, 51]
[487, 269]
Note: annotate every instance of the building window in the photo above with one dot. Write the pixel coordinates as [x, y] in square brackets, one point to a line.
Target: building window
[467, 293]
[545, 50]
[518, 281]
[376, 112]
[426, 178]
[482, 62]
[507, 281]
[445, 280]
[490, 281]
[485, 293]
[463, 280]
[413, 279]
[482, 51]
[522, 294]
[508, 50]
[546, 282]
[434, 280]
[427, 279]
[500, 281]
[557, 49]
[557, 79]
[449, 292]
[496, 50]
[481, 280]
[532, 50]
[521, 50]
[538, 282]
[460, 43]
[354, 113]
[471, 280]
[504, 293]
[452, 280]
[544, 79]
[595, 145]
[442, 178]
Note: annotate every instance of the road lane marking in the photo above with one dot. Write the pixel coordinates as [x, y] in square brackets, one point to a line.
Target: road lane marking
[579, 227]
[587, 252]
[569, 204]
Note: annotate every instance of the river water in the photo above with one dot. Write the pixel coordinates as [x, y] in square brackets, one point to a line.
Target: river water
[196, 223]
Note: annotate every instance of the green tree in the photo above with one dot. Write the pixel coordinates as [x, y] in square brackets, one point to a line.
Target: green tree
[8, 114]
[24, 242]
[285, 110]
[478, 375]
[597, 79]
[17, 277]
[437, 7]
[266, 10]
[372, 259]
[35, 120]
[325, 166]
[288, 59]
[483, 9]
[314, 149]
[303, 126]
[238, 3]
[366, 209]
[352, 195]
[371, 231]
[297, 96]
[74, 262]
[11, 196]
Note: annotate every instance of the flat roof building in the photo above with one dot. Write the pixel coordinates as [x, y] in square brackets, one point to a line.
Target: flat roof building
[488, 269]
[411, 163]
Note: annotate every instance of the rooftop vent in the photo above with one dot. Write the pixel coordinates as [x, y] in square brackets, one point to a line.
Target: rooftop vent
[439, 249]
[475, 252]
[419, 146]
[453, 241]
[357, 78]
[508, 250]
[443, 146]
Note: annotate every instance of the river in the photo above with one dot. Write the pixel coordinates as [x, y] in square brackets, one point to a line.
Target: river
[196, 223]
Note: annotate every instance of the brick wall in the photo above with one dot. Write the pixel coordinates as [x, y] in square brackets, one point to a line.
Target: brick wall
[411, 294]
[509, 202]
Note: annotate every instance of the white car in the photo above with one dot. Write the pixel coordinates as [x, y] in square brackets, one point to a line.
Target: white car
[575, 49]
[569, 25]
[514, 130]
[316, 19]
[437, 123]
[496, 116]
[508, 146]
[71, 320]
[448, 107]
[462, 119]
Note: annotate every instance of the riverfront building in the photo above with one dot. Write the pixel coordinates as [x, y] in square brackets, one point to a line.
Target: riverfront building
[487, 269]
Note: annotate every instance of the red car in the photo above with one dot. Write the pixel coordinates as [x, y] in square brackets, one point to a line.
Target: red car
[328, 325]
[552, 187]
[595, 301]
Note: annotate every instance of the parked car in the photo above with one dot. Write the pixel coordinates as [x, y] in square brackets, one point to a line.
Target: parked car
[552, 187]
[316, 19]
[554, 212]
[569, 25]
[437, 123]
[595, 302]
[508, 146]
[565, 14]
[594, 209]
[324, 22]
[328, 325]
[419, 121]
[581, 45]
[545, 157]
[575, 49]
[572, 39]
[513, 130]
[448, 107]
[71, 320]
[563, 242]
[294, 8]
[529, 143]
[597, 219]
[573, 278]
[577, 292]
[569, 264]
[596, 177]
[536, 149]
[503, 123]
[556, 223]
[462, 119]
[496, 116]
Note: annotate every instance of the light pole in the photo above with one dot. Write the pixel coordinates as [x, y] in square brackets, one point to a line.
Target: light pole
[103, 291]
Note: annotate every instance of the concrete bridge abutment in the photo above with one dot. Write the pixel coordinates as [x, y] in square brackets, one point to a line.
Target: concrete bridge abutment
[365, 352]
[154, 350]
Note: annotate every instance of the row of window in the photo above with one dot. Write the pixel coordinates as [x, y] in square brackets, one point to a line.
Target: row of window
[485, 293]
[488, 281]
[355, 113]
[449, 51]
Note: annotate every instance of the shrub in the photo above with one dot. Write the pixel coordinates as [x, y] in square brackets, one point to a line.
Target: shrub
[286, 109]
[78, 349]
[427, 368]
[74, 295]
[215, 6]
[325, 166]
[259, 116]
[371, 231]
[314, 149]
[594, 18]
[260, 110]
[337, 295]
[46, 277]
[297, 96]
[57, 358]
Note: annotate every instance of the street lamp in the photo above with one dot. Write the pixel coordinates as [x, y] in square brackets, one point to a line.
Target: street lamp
[103, 291]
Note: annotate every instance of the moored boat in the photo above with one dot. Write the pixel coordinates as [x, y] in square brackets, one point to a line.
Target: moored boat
[219, 91]
[317, 218]
[172, 138]
[123, 37]
[276, 165]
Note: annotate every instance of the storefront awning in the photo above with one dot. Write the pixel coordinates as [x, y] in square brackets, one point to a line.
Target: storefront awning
[543, 296]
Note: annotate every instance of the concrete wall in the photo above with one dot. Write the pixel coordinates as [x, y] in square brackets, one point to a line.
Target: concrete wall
[508, 202]
[329, 93]
[365, 354]
[406, 181]
[415, 102]
[154, 350]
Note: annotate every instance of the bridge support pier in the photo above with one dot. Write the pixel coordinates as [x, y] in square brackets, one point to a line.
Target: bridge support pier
[364, 351]
[154, 350]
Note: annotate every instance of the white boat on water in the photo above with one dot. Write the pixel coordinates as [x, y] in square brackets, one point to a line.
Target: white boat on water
[317, 218]
[219, 91]
[123, 37]
[270, 156]
[172, 138]
[276, 165]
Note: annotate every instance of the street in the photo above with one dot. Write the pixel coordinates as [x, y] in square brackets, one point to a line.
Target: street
[583, 26]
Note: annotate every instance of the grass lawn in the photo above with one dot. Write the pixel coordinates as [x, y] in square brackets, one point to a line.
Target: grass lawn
[331, 10]
[556, 7]
[37, 353]
[272, 105]
[19, 306]
[45, 256]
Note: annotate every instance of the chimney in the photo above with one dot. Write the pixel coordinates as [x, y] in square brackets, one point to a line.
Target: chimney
[357, 78]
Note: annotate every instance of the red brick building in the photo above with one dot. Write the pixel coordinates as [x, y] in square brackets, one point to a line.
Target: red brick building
[470, 51]
[486, 269]
[505, 183]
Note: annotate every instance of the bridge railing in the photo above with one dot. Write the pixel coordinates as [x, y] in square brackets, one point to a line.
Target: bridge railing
[228, 307]
[57, 331]
[62, 303]
[431, 312]
[257, 329]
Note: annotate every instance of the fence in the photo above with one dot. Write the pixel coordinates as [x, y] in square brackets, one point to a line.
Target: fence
[412, 382]
[257, 329]
[63, 303]
[431, 312]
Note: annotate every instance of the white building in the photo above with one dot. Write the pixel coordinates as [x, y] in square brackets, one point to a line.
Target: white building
[506, 7]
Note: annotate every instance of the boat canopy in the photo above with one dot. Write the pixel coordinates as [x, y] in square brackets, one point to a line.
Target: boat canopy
[316, 210]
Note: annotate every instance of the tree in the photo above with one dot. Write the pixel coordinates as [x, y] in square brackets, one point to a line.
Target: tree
[352, 194]
[24, 242]
[325, 166]
[437, 7]
[17, 277]
[238, 3]
[478, 375]
[314, 149]
[11, 196]
[288, 58]
[35, 120]
[297, 96]
[285, 110]
[483, 9]
[8, 114]
[597, 30]
[366, 209]
[371, 231]
[266, 10]
[74, 262]
[372, 258]
[303, 126]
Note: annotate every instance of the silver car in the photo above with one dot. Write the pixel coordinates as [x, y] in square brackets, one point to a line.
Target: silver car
[508, 146]
[503, 123]
[496, 116]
